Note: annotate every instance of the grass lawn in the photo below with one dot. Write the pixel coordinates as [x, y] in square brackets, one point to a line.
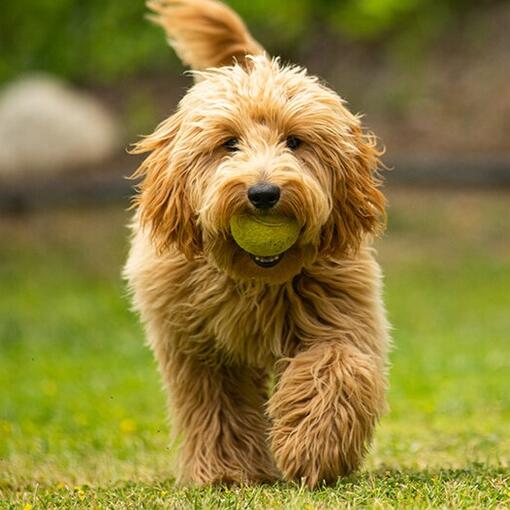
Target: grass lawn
[82, 414]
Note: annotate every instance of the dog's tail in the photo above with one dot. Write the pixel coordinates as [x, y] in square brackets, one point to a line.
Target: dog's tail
[204, 33]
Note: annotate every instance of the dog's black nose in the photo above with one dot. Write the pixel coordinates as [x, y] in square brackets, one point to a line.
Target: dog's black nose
[264, 195]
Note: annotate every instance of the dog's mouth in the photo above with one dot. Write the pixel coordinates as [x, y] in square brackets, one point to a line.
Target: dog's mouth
[267, 262]
[265, 237]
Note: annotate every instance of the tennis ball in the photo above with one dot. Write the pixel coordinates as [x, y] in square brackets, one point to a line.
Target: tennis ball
[264, 236]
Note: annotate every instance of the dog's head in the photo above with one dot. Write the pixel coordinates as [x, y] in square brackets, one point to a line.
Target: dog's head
[258, 135]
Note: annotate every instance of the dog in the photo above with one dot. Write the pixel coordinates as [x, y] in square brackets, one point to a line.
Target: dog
[275, 368]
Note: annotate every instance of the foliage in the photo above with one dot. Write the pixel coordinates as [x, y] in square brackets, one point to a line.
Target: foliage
[92, 40]
[98, 41]
[82, 415]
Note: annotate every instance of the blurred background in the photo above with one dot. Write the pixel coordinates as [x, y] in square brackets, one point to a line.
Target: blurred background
[80, 81]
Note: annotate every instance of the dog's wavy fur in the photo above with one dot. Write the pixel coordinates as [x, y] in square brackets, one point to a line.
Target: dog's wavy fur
[221, 326]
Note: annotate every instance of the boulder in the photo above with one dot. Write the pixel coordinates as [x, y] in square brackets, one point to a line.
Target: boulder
[47, 128]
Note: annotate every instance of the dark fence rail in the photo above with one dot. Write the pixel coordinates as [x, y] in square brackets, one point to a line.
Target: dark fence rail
[109, 182]
[475, 171]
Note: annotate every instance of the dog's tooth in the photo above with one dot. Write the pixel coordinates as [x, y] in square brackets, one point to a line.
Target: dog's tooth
[268, 260]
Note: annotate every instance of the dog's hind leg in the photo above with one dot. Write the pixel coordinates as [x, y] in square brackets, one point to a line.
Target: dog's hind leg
[324, 409]
[219, 412]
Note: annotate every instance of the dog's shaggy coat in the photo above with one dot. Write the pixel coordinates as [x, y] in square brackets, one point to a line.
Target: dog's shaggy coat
[220, 325]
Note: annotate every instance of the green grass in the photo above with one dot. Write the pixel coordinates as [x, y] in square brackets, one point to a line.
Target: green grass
[82, 414]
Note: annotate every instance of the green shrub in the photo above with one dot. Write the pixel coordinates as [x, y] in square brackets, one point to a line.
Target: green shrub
[106, 40]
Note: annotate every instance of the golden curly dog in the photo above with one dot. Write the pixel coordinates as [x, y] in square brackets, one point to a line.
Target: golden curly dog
[253, 134]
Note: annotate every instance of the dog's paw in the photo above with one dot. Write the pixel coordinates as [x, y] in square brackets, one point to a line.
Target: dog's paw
[310, 452]
[324, 411]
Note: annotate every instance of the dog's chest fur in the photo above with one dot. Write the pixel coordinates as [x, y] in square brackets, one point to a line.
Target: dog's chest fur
[229, 321]
[206, 313]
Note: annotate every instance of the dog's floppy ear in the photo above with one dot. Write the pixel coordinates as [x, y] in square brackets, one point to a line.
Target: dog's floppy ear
[163, 195]
[204, 33]
[358, 206]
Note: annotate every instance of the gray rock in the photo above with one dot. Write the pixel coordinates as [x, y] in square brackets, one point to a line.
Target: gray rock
[47, 128]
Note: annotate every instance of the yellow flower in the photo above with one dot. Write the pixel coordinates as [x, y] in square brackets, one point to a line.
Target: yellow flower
[27, 506]
[5, 426]
[80, 419]
[80, 493]
[127, 426]
[49, 388]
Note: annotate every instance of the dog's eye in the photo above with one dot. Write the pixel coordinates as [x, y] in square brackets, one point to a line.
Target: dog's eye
[293, 142]
[231, 144]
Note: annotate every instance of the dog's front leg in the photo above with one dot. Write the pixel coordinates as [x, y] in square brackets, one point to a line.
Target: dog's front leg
[219, 412]
[324, 409]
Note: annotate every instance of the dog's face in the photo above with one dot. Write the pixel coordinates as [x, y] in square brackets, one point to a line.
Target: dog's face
[255, 137]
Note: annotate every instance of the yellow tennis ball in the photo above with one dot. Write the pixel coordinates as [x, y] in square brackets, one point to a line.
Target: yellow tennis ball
[264, 236]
